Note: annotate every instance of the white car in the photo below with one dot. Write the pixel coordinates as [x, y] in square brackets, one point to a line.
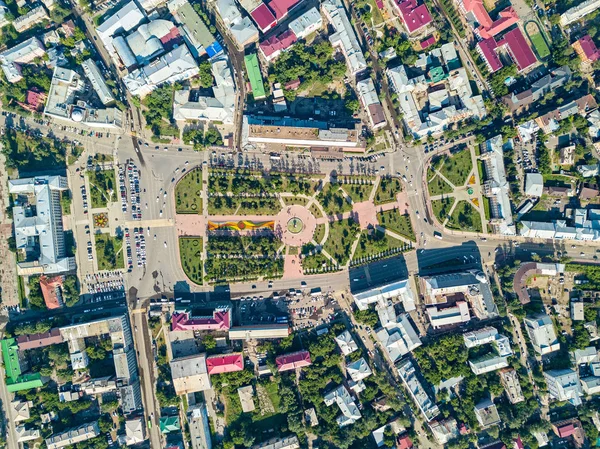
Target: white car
[165, 244]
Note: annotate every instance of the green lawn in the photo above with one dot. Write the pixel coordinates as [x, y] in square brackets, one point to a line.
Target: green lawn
[437, 186]
[387, 190]
[188, 192]
[395, 222]
[456, 168]
[541, 47]
[341, 236]
[441, 208]
[319, 233]
[291, 200]
[190, 251]
[375, 244]
[228, 205]
[465, 217]
[109, 252]
[314, 209]
[358, 192]
[102, 186]
[317, 262]
[333, 200]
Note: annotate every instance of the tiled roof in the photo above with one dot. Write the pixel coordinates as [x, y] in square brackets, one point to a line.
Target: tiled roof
[227, 363]
[292, 361]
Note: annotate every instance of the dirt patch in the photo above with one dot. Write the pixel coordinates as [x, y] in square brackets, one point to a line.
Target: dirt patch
[264, 402]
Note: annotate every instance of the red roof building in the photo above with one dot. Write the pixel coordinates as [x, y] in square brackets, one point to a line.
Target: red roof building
[292, 361]
[518, 48]
[292, 85]
[586, 49]
[281, 8]
[52, 291]
[518, 444]
[35, 99]
[487, 50]
[33, 341]
[379, 4]
[414, 16]
[227, 363]
[218, 321]
[488, 28]
[264, 18]
[566, 430]
[272, 47]
[427, 42]
[404, 442]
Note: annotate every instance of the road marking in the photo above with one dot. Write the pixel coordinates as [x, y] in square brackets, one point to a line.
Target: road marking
[157, 223]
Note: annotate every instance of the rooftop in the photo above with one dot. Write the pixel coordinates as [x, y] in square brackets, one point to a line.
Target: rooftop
[227, 363]
[414, 16]
[292, 361]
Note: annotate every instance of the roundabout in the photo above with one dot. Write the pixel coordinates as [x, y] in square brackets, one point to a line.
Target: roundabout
[296, 225]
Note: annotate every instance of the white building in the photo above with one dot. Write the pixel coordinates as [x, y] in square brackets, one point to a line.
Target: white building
[189, 106]
[585, 356]
[343, 399]
[346, 343]
[541, 332]
[370, 102]
[397, 336]
[448, 316]
[344, 37]
[578, 12]
[45, 227]
[241, 27]
[72, 436]
[398, 289]
[190, 374]
[510, 380]
[494, 360]
[407, 372]
[32, 18]
[199, 427]
[177, 65]
[97, 80]
[123, 21]
[290, 442]
[497, 188]
[22, 53]
[135, 432]
[563, 385]
[487, 414]
[444, 430]
[307, 23]
[24, 434]
[534, 184]
[359, 370]
[3, 10]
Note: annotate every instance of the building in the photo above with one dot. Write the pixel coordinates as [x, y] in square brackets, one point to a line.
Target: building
[564, 385]
[196, 34]
[33, 341]
[22, 53]
[534, 184]
[52, 291]
[476, 14]
[190, 105]
[497, 187]
[130, 397]
[263, 17]
[370, 102]
[494, 360]
[293, 361]
[73, 436]
[124, 20]
[578, 12]
[367, 295]
[20, 410]
[512, 387]
[344, 37]
[281, 8]
[241, 28]
[585, 356]
[135, 432]
[40, 226]
[199, 427]
[3, 14]
[514, 43]
[586, 49]
[246, 395]
[570, 431]
[209, 317]
[272, 47]
[176, 65]
[358, 371]
[30, 19]
[341, 396]
[169, 424]
[64, 104]
[307, 23]
[397, 336]
[346, 343]
[487, 414]
[414, 16]
[99, 386]
[227, 363]
[282, 132]
[582, 106]
[91, 71]
[577, 311]
[541, 332]
[190, 374]
[255, 76]
[259, 332]
[448, 315]
[444, 430]
[518, 102]
[408, 373]
[290, 442]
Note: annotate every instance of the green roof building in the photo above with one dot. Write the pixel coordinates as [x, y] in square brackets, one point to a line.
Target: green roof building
[169, 424]
[255, 77]
[437, 74]
[25, 382]
[10, 355]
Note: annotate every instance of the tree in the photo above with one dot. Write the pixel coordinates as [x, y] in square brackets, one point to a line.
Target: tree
[212, 136]
[209, 342]
[367, 317]
[205, 75]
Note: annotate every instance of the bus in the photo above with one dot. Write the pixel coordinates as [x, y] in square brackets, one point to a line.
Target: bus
[437, 235]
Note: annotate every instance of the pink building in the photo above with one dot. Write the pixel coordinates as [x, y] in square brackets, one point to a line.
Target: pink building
[226, 363]
[281, 8]
[264, 18]
[488, 28]
[413, 15]
[217, 320]
[514, 43]
[272, 47]
[292, 361]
